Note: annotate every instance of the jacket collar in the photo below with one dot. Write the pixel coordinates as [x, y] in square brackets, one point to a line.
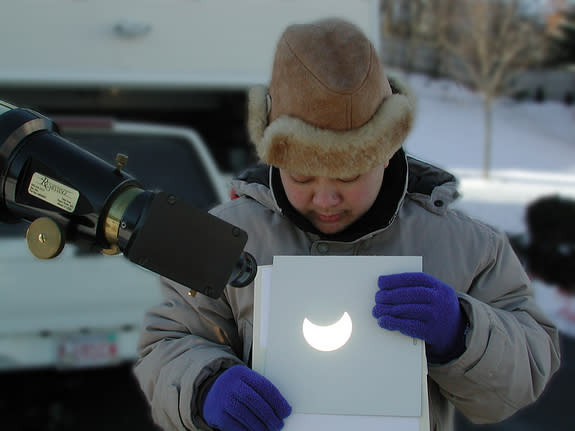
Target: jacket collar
[404, 175]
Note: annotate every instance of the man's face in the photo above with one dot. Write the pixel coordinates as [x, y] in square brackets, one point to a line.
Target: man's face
[332, 204]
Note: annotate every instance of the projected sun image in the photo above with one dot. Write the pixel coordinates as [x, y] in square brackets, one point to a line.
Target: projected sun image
[329, 337]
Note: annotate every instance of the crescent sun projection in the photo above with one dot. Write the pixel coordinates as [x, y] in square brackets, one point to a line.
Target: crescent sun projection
[329, 337]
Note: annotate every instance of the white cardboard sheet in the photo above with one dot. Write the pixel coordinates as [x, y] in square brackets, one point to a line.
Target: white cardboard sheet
[378, 378]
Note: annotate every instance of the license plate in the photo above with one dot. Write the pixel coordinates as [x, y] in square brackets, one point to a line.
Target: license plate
[87, 350]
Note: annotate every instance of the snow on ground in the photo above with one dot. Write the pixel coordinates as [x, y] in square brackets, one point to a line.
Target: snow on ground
[533, 149]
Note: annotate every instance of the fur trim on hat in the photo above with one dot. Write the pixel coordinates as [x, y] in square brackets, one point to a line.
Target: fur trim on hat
[300, 148]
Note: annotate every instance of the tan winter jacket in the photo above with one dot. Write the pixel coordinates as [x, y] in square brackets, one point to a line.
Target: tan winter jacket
[512, 348]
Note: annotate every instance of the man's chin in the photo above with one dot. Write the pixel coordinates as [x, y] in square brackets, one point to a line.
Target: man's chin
[330, 228]
[330, 225]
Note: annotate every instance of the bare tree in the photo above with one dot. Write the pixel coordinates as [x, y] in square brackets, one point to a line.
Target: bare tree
[403, 19]
[491, 41]
[439, 16]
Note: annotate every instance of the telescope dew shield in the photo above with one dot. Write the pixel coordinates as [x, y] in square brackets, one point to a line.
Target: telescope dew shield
[187, 245]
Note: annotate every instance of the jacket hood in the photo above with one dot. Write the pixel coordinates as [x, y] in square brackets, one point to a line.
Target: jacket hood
[432, 187]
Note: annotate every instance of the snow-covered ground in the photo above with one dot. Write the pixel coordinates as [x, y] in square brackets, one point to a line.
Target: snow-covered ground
[533, 149]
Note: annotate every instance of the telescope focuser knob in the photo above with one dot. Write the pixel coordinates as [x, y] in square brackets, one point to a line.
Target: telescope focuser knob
[45, 238]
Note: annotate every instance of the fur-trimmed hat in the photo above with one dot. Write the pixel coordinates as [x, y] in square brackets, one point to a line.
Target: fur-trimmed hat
[330, 110]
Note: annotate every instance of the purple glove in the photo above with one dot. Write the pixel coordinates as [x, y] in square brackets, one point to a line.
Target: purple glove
[418, 305]
[242, 400]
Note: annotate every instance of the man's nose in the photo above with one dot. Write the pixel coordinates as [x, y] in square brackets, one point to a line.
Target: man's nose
[326, 195]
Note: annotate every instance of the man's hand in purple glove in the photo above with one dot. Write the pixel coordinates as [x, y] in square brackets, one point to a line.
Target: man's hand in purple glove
[242, 400]
[418, 305]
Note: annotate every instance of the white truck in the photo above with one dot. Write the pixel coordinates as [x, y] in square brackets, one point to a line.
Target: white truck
[161, 69]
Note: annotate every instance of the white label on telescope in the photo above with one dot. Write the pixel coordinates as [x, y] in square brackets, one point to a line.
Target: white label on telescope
[53, 192]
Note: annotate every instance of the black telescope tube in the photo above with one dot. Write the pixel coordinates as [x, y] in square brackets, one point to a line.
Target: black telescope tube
[44, 175]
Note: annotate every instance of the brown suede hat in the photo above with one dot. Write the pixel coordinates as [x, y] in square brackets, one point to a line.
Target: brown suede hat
[330, 109]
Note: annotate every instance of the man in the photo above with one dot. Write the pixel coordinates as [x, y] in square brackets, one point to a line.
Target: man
[336, 181]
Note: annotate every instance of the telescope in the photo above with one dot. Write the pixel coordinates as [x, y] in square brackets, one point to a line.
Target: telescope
[69, 195]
